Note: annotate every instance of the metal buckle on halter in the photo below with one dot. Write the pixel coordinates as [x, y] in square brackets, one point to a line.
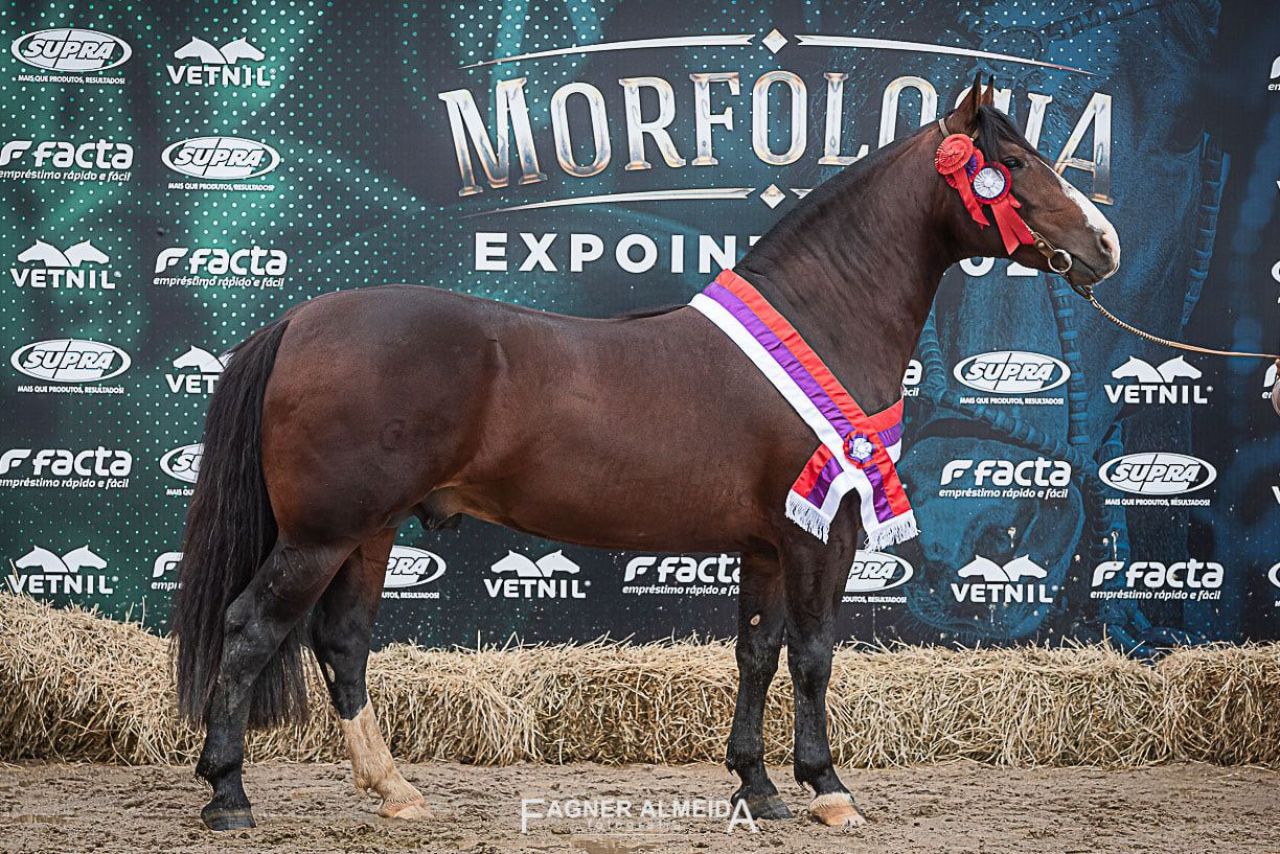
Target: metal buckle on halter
[1059, 260]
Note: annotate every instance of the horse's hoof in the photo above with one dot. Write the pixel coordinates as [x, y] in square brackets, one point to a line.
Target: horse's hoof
[768, 807]
[220, 820]
[411, 811]
[837, 809]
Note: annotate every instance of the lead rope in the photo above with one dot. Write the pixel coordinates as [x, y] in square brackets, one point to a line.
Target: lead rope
[1156, 339]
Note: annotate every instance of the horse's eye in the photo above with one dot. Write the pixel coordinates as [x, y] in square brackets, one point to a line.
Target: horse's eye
[1012, 162]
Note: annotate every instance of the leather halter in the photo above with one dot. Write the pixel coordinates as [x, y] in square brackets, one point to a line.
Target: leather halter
[1059, 260]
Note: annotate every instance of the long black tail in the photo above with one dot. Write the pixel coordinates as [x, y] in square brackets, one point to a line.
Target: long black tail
[230, 532]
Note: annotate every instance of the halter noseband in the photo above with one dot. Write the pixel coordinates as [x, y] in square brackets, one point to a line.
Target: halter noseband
[1059, 260]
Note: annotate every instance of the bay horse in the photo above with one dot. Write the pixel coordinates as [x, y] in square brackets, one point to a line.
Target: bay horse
[333, 425]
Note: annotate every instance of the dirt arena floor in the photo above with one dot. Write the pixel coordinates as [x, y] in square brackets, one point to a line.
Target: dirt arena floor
[956, 809]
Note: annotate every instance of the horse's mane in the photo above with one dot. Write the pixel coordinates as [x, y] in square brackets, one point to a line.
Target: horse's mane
[993, 127]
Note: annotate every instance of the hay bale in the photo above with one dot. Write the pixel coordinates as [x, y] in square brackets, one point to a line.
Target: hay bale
[1223, 703]
[77, 687]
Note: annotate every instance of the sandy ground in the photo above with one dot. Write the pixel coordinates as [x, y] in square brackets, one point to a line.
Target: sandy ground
[957, 809]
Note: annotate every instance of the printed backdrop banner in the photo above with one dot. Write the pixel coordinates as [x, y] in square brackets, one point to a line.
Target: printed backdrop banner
[176, 175]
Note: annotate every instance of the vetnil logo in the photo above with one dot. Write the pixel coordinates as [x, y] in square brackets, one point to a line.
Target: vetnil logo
[234, 64]
[199, 372]
[43, 572]
[987, 582]
[1172, 381]
[551, 576]
[82, 266]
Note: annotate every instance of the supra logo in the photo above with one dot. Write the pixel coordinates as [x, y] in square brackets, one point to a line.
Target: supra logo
[1155, 580]
[1012, 372]
[70, 360]
[61, 154]
[72, 50]
[50, 573]
[1273, 575]
[550, 577]
[682, 574]
[1269, 380]
[254, 261]
[1157, 384]
[59, 269]
[408, 567]
[203, 378]
[183, 463]
[873, 572]
[1037, 472]
[229, 65]
[1157, 473]
[1017, 581]
[221, 158]
[60, 462]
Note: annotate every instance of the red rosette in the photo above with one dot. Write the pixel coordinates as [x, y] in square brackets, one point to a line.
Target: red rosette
[953, 153]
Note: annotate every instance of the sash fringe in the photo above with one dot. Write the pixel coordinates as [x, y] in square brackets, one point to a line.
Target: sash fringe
[895, 531]
[807, 516]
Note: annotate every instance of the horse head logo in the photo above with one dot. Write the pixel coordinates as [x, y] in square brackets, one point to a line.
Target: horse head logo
[49, 255]
[1138, 369]
[72, 561]
[992, 572]
[544, 567]
[200, 359]
[1178, 368]
[230, 53]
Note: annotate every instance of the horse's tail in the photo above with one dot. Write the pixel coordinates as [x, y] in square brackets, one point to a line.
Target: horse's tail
[230, 531]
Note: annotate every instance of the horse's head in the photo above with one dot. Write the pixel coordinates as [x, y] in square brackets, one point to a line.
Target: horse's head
[1089, 249]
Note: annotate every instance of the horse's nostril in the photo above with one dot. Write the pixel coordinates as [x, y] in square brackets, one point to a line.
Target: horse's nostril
[1111, 248]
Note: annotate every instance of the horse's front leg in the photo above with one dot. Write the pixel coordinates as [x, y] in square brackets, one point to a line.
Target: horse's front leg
[815, 575]
[760, 620]
[341, 630]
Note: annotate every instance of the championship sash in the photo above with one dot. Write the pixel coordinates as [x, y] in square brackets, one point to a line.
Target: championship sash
[855, 451]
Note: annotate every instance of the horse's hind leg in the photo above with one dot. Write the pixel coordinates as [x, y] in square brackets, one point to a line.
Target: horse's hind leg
[341, 630]
[760, 622]
[281, 592]
[815, 578]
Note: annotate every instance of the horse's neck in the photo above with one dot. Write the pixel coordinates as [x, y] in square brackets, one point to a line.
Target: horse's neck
[856, 274]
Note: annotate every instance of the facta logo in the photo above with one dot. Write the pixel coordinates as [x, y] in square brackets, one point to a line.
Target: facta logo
[49, 573]
[166, 565]
[873, 572]
[71, 50]
[254, 261]
[1275, 75]
[205, 367]
[1160, 384]
[1037, 472]
[221, 158]
[207, 65]
[183, 463]
[50, 267]
[1012, 372]
[1157, 473]
[60, 154]
[1017, 581]
[70, 360]
[85, 466]
[682, 574]
[408, 568]
[549, 577]
[1190, 579]
[912, 378]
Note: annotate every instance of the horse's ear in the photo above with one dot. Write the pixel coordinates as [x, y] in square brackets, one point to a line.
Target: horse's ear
[966, 115]
[989, 95]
